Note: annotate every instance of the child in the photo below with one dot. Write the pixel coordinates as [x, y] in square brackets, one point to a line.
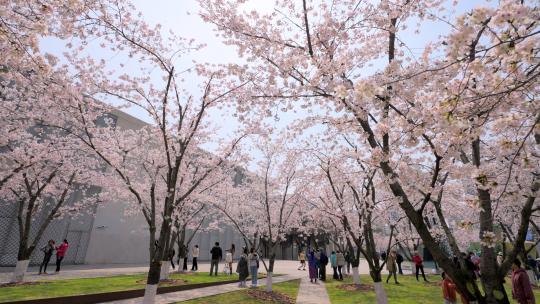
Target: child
[449, 290]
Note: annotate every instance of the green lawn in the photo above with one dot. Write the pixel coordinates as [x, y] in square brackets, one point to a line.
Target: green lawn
[289, 288]
[59, 288]
[408, 292]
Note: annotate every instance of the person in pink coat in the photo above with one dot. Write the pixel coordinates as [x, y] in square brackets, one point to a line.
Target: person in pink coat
[521, 286]
[61, 253]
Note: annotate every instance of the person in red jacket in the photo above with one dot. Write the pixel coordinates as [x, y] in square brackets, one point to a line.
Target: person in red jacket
[60, 253]
[449, 290]
[419, 263]
[521, 286]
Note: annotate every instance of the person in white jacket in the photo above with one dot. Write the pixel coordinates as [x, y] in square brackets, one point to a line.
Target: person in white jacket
[229, 260]
[195, 254]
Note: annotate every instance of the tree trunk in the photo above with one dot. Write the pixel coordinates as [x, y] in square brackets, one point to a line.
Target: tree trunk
[493, 287]
[151, 244]
[270, 270]
[164, 272]
[156, 263]
[354, 263]
[380, 293]
[23, 259]
[181, 264]
[20, 270]
[182, 249]
[355, 275]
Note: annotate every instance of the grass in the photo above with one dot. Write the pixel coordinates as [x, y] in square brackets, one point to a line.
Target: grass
[289, 288]
[71, 287]
[408, 292]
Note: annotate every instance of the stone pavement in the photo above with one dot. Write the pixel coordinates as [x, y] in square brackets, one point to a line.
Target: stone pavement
[75, 272]
[311, 293]
[107, 270]
[173, 297]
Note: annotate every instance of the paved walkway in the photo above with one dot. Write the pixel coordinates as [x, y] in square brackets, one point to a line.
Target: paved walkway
[311, 293]
[173, 297]
[107, 270]
[75, 272]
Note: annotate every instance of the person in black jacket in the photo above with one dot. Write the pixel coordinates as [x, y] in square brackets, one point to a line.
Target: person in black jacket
[47, 251]
[216, 256]
[348, 260]
[469, 265]
[171, 257]
[323, 262]
[399, 260]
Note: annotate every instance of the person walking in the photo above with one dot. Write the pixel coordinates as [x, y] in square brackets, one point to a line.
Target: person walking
[232, 250]
[323, 262]
[242, 269]
[419, 265]
[449, 289]
[312, 265]
[499, 258]
[317, 255]
[61, 253]
[216, 256]
[391, 266]
[476, 262]
[383, 255]
[348, 260]
[340, 260]
[302, 259]
[228, 261]
[399, 260]
[47, 254]
[253, 260]
[333, 263]
[470, 266]
[531, 262]
[195, 255]
[171, 257]
[521, 286]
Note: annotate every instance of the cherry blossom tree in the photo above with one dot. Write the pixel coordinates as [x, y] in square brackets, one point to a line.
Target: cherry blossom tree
[417, 117]
[168, 151]
[266, 205]
[52, 171]
[187, 219]
[351, 195]
[42, 167]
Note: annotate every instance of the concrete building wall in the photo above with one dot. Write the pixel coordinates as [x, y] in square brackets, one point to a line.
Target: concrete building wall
[116, 238]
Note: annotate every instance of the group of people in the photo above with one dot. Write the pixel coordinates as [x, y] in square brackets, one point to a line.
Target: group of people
[394, 261]
[248, 263]
[521, 287]
[48, 251]
[317, 261]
